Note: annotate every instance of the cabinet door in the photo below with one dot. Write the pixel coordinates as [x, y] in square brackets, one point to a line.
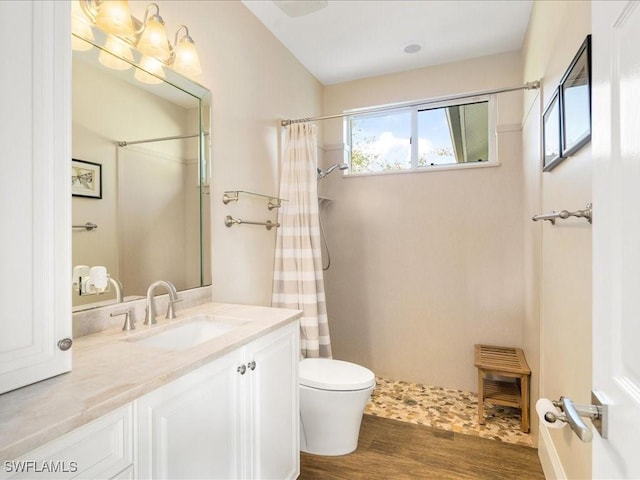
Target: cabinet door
[274, 408]
[100, 449]
[190, 427]
[35, 191]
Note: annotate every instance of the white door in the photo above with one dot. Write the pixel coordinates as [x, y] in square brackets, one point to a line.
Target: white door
[35, 191]
[616, 233]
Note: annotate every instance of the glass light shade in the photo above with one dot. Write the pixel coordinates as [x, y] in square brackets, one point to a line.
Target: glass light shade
[119, 49]
[153, 41]
[149, 64]
[114, 17]
[83, 30]
[80, 27]
[186, 59]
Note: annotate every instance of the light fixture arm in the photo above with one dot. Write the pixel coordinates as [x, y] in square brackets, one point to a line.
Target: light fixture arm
[186, 34]
[156, 16]
[175, 39]
[89, 8]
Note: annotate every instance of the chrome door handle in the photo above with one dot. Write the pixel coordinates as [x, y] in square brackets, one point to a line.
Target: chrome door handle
[583, 432]
[251, 365]
[597, 411]
[242, 369]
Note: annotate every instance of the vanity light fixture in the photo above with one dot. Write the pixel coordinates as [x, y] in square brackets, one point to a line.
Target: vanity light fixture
[153, 39]
[149, 36]
[120, 49]
[81, 27]
[185, 55]
[114, 17]
[149, 66]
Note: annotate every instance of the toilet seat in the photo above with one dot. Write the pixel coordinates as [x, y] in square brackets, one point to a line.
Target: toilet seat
[335, 375]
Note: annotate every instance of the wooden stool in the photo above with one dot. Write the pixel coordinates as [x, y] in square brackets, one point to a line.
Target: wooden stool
[503, 362]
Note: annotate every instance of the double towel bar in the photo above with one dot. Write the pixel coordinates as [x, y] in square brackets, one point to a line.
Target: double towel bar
[564, 214]
[229, 221]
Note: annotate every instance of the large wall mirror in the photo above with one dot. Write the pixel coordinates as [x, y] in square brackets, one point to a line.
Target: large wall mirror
[148, 138]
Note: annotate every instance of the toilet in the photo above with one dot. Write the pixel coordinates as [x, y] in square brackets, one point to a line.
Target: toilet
[333, 395]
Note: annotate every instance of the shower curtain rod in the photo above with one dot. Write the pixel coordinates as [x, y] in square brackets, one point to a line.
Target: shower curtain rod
[160, 139]
[527, 86]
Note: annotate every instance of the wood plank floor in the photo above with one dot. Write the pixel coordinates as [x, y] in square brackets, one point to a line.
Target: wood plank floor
[390, 449]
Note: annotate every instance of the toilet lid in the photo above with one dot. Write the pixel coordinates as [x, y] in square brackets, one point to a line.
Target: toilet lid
[328, 374]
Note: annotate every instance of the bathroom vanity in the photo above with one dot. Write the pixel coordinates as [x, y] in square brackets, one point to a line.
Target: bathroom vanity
[211, 394]
[193, 404]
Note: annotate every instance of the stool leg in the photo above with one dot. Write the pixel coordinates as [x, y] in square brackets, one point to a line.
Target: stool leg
[480, 397]
[524, 382]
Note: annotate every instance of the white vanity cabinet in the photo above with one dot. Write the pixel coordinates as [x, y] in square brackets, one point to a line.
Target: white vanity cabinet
[190, 428]
[35, 191]
[271, 406]
[102, 449]
[234, 418]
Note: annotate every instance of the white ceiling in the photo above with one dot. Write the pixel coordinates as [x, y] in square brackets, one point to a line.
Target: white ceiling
[353, 39]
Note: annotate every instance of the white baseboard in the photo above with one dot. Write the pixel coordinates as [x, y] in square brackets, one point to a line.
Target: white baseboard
[549, 459]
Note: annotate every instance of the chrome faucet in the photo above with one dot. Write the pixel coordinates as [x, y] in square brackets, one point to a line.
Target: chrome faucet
[118, 287]
[150, 313]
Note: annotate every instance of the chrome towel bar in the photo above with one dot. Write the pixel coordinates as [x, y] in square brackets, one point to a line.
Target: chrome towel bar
[87, 226]
[230, 221]
[564, 214]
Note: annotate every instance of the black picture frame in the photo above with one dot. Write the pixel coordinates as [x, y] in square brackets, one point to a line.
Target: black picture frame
[551, 141]
[86, 179]
[575, 101]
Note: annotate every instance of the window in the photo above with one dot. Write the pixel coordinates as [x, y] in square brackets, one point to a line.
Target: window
[447, 135]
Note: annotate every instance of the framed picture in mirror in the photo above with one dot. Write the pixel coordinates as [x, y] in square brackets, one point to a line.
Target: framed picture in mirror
[575, 101]
[86, 179]
[551, 151]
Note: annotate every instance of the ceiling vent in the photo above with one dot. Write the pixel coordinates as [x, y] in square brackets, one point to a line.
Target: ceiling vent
[296, 8]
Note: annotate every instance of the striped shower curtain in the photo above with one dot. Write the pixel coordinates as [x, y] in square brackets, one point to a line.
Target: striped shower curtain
[297, 277]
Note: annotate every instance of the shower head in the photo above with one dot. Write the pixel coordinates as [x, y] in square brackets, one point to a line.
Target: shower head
[324, 173]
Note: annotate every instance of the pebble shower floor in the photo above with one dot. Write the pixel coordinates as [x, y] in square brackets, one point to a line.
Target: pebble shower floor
[446, 409]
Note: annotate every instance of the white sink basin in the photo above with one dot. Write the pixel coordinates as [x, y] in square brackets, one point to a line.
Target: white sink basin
[191, 332]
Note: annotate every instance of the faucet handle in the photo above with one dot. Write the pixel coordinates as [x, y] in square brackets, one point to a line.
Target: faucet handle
[129, 324]
[171, 311]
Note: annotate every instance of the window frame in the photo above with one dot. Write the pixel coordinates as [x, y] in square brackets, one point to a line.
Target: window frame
[414, 109]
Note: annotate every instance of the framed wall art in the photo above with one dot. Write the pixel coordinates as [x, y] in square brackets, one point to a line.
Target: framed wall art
[575, 101]
[566, 122]
[86, 179]
[551, 142]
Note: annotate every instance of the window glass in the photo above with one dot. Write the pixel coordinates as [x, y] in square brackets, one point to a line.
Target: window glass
[455, 134]
[447, 134]
[381, 143]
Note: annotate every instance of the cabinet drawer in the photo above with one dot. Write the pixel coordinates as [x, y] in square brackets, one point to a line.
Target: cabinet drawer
[100, 449]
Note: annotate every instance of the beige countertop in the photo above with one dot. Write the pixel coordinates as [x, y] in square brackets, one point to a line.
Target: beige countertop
[110, 370]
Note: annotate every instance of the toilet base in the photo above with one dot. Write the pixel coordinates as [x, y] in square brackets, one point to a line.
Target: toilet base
[330, 420]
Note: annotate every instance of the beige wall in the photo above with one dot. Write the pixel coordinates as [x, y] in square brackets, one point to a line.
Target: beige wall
[425, 265]
[255, 82]
[557, 258]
